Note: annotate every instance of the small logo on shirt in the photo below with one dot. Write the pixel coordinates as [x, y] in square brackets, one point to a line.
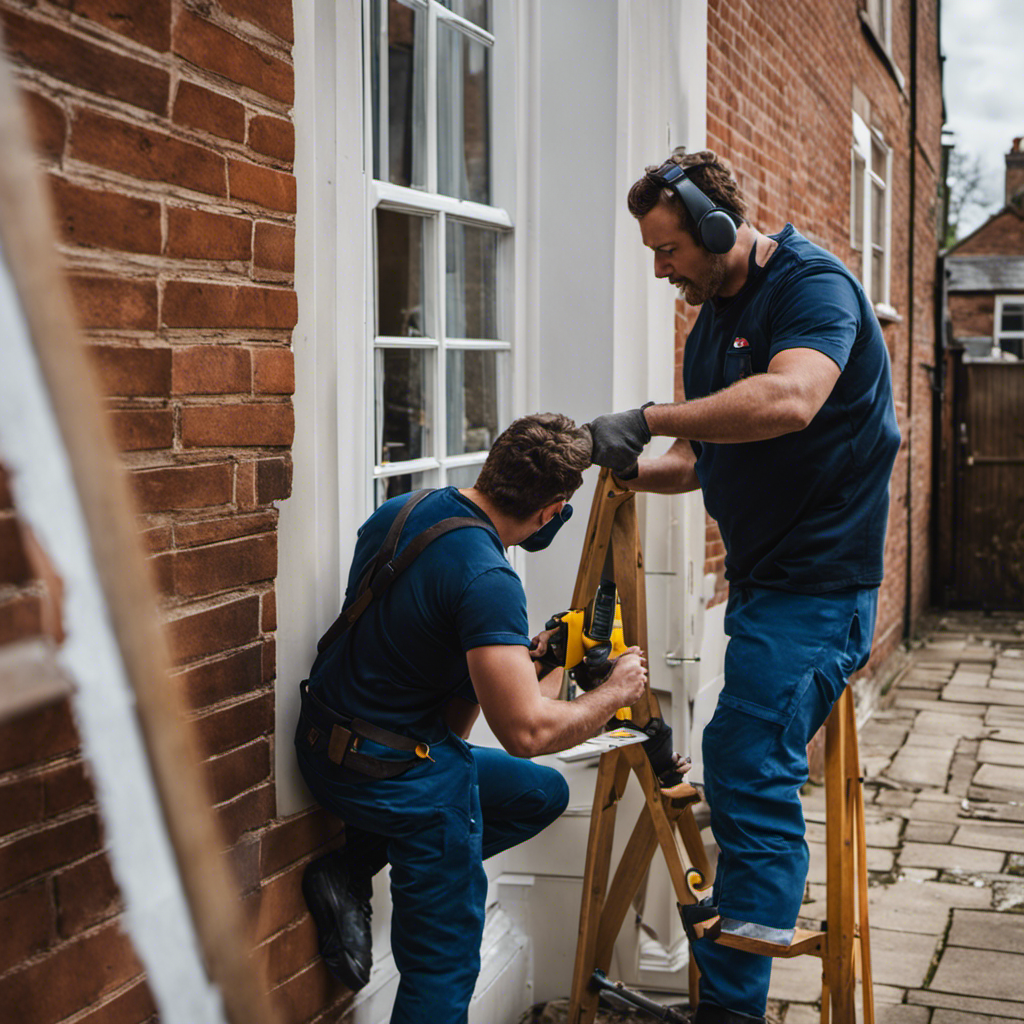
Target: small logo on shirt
[741, 343]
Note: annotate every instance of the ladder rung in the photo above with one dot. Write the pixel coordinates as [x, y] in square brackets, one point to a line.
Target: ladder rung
[804, 941]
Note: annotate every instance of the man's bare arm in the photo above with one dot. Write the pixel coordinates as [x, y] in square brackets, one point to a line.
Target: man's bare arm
[528, 724]
[781, 401]
[671, 473]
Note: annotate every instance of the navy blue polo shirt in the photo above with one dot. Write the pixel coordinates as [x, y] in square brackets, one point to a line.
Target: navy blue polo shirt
[807, 511]
[406, 654]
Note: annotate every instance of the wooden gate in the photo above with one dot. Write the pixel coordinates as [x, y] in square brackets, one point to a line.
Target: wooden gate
[987, 569]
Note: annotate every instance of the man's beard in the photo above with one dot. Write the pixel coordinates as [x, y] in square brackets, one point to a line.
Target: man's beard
[707, 286]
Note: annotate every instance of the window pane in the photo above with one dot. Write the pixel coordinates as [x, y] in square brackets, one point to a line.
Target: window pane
[471, 281]
[1013, 317]
[403, 407]
[858, 201]
[471, 10]
[391, 486]
[400, 275]
[878, 275]
[405, 149]
[1015, 346]
[464, 476]
[878, 159]
[475, 404]
[877, 215]
[463, 117]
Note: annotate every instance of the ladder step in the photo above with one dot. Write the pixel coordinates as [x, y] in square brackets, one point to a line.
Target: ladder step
[804, 941]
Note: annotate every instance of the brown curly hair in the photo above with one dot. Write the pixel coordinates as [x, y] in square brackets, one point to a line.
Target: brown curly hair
[710, 173]
[535, 461]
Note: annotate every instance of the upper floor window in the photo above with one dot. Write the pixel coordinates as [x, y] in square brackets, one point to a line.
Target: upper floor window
[878, 15]
[870, 213]
[1009, 325]
[442, 291]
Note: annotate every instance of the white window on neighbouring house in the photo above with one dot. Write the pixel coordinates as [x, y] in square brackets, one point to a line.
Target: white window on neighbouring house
[871, 212]
[440, 316]
[1009, 325]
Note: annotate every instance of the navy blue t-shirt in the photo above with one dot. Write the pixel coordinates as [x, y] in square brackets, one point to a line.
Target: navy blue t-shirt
[406, 654]
[806, 511]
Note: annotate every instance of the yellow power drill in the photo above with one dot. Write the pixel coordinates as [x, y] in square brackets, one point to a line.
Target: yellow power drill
[587, 645]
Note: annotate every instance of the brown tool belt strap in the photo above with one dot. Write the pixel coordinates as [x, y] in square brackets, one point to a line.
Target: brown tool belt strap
[387, 568]
[327, 731]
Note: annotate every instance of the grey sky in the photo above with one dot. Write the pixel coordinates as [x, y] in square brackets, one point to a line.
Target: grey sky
[983, 41]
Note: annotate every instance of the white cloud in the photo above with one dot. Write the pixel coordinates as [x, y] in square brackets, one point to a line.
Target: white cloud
[983, 41]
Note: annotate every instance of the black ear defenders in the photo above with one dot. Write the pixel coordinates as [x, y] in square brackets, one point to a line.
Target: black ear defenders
[716, 226]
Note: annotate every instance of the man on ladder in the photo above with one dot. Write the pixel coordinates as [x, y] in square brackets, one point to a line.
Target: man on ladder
[434, 629]
[789, 430]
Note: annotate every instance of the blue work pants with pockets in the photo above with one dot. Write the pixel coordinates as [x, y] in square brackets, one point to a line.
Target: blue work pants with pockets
[441, 818]
[787, 662]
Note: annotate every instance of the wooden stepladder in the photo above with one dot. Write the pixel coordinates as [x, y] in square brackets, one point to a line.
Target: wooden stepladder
[667, 815]
[667, 822]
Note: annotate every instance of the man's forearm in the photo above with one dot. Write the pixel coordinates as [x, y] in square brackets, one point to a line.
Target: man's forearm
[574, 721]
[671, 473]
[755, 409]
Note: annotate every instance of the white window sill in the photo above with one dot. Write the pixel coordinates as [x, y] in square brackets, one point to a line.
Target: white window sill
[886, 314]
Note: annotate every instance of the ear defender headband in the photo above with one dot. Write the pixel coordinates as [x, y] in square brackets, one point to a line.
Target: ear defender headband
[716, 226]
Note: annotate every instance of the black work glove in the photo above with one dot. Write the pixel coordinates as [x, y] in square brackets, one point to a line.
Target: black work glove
[618, 439]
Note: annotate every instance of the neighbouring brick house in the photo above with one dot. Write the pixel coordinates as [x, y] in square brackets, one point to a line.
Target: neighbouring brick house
[448, 273]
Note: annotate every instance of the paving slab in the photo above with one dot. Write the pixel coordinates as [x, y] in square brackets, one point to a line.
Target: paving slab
[901, 1015]
[878, 860]
[952, 693]
[1004, 714]
[797, 980]
[995, 752]
[885, 833]
[949, 858]
[932, 741]
[894, 797]
[920, 766]
[1000, 683]
[1007, 734]
[924, 907]
[968, 677]
[981, 929]
[882, 734]
[928, 832]
[932, 810]
[983, 811]
[900, 958]
[979, 972]
[1007, 838]
[1001, 1010]
[945, 705]
[968, 723]
[959, 1017]
[996, 776]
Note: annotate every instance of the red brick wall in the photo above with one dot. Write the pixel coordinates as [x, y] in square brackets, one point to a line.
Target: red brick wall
[973, 314]
[782, 115]
[164, 130]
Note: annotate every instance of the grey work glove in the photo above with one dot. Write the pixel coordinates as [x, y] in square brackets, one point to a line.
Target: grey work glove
[618, 439]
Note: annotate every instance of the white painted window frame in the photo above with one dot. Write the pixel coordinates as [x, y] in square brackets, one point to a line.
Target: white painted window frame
[863, 138]
[997, 333]
[435, 208]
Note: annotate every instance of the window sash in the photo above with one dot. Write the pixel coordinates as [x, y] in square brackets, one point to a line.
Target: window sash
[435, 208]
[871, 209]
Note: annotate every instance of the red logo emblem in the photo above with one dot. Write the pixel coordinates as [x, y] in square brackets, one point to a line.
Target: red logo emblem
[741, 343]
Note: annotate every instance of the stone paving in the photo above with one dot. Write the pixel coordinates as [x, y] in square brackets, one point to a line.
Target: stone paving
[944, 808]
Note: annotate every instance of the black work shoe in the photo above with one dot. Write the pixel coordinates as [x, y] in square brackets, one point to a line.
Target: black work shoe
[340, 904]
[709, 1013]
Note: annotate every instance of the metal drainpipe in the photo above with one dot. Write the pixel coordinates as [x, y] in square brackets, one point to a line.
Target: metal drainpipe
[908, 586]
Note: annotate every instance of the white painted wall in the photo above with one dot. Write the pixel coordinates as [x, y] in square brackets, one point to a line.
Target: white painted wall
[600, 91]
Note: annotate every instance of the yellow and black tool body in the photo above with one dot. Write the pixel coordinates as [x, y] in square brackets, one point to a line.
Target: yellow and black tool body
[587, 641]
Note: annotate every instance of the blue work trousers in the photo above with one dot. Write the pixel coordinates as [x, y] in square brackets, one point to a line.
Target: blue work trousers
[787, 662]
[441, 819]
